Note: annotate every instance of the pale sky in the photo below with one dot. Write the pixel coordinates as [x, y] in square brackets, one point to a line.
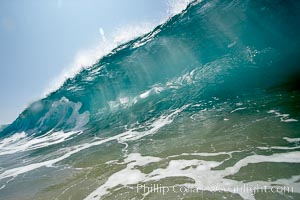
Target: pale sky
[39, 40]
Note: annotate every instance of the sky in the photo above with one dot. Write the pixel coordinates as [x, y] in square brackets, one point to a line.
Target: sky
[41, 42]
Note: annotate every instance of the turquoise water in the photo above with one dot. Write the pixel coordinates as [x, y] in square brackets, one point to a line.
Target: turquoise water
[207, 101]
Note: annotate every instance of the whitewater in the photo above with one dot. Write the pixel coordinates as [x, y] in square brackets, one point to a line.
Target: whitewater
[207, 100]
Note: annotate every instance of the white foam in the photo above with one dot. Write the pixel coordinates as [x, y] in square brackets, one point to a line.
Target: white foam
[278, 147]
[146, 39]
[122, 138]
[177, 6]
[153, 90]
[238, 109]
[200, 171]
[32, 143]
[292, 140]
[283, 117]
[19, 142]
[127, 176]
[185, 79]
[2, 187]
[145, 94]
[125, 102]
[12, 139]
[207, 154]
[289, 157]
[290, 120]
[154, 127]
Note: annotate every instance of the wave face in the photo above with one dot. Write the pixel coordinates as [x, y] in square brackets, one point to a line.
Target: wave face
[214, 82]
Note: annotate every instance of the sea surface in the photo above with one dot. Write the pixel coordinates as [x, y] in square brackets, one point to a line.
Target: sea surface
[207, 105]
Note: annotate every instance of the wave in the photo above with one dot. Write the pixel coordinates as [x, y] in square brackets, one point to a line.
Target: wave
[219, 54]
[121, 35]
[221, 77]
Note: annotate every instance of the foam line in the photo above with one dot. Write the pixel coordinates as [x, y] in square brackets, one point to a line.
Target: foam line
[238, 109]
[292, 140]
[122, 138]
[21, 143]
[283, 117]
[200, 171]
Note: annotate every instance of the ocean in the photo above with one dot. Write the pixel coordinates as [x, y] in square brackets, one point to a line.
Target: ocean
[204, 106]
